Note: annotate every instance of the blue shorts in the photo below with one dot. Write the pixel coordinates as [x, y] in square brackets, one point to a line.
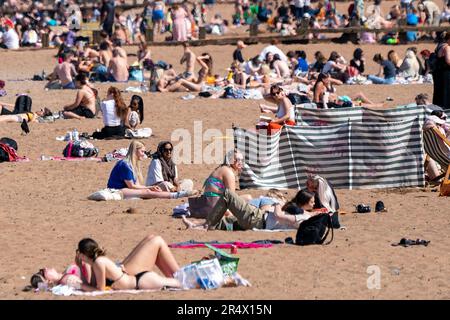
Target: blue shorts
[158, 15]
[70, 85]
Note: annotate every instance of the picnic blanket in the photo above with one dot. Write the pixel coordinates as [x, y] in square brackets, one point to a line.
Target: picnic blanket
[226, 245]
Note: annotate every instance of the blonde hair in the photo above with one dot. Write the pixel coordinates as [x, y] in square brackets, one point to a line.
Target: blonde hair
[132, 159]
[277, 194]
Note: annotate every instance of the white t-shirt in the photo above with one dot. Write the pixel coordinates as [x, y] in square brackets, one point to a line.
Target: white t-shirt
[154, 174]
[110, 117]
[11, 39]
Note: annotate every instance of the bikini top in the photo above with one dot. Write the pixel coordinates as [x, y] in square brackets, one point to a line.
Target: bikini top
[214, 183]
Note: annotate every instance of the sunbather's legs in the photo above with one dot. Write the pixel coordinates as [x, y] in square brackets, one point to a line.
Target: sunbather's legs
[247, 215]
[71, 115]
[151, 251]
[193, 87]
[153, 281]
[149, 194]
[13, 118]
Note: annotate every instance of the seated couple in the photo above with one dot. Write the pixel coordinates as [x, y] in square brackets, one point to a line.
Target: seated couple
[246, 214]
[117, 116]
[126, 176]
[163, 172]
[93, 270]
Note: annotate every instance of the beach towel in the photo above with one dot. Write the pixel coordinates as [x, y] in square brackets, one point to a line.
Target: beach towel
[138, 133]
[64, 290]
[106, 194]
[57, 158]
[226, 245]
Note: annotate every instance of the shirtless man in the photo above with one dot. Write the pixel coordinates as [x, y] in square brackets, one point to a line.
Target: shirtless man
[188, 58]
[118, 68]
[84, 105]
[64, 72]
[117, 44]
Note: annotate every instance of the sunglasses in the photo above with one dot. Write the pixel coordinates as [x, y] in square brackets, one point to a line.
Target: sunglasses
[168, 150]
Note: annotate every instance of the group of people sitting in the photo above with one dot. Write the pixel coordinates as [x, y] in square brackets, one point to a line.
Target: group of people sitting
[222, 208]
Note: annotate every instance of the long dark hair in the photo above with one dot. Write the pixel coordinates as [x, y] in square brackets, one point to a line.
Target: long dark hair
[301, 198]
[320, 79]
[90, 249]
[140, 108]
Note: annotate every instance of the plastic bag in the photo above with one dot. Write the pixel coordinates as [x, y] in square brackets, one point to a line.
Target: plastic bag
[206, 274]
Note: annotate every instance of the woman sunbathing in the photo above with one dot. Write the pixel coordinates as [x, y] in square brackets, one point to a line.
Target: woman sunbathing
[285, 112]
[74, 276]
[247, 216]
[222, 178]
[135, 272]
[127, 177]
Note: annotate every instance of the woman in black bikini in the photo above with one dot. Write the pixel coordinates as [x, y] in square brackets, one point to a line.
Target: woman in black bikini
[135, 272]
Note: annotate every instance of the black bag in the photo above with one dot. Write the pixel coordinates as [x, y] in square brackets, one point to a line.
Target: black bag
[315, 230]
[296, 98]
[80, 149]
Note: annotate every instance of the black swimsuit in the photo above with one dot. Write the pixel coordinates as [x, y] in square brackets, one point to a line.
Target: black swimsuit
[138, 276]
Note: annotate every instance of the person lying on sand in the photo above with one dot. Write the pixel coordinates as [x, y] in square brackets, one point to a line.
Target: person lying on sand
[270, 215]
[135, 271]
[74, 276]
[127, 177]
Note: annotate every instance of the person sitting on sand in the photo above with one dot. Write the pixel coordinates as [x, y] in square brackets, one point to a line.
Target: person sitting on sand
[285, 112]
[223, 177]
[324, 95]
[63, 74]
[196, 85]
[136, 114]
[162, 171]
[325, 197]
[135, 271]
[115, 114]
[85, 100]
[126, 176]
[247, 216]
[189, 58]
[118, 68]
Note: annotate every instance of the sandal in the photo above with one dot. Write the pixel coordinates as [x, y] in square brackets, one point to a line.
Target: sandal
[409, 242]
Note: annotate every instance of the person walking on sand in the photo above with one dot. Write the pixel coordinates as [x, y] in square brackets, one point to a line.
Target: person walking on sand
[189, 58]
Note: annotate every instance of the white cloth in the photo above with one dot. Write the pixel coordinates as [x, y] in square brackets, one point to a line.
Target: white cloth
[281, 114]
[272, 49]
[133, 119]
[11, 39]
[154, 174]
[110, 117]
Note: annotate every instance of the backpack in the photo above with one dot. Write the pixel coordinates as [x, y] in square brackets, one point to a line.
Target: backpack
[7, 153]
[80, 148]
[23, 104]
[315, 230]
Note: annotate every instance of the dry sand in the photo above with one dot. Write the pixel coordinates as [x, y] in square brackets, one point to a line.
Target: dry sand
[44, 211]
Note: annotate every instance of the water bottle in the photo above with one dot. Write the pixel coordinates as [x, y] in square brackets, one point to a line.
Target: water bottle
[44, 75]
[143, 87]
[81, 153]
[75, 135]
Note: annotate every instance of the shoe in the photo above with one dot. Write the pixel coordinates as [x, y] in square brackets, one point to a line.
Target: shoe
[379, 207]
[25, 126]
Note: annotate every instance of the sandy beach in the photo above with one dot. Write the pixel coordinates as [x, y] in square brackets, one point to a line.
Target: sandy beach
[45, 211]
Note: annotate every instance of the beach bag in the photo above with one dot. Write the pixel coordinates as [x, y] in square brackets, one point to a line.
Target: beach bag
[136, 75]
[7, 153]
[80, 149]
[315, 230]
[296, 98]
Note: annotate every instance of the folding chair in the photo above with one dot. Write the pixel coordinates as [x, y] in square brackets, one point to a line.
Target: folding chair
[434, 148]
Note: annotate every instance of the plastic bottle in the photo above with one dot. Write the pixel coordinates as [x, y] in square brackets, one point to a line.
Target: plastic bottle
[81, 153]
[75, 135]
[144, 87]
[44, 75]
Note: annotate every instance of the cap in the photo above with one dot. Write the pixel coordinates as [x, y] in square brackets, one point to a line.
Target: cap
[9, 23]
